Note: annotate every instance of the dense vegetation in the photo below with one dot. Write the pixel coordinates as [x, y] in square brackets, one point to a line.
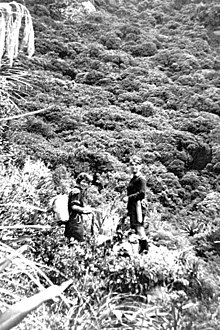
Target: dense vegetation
[131, 77]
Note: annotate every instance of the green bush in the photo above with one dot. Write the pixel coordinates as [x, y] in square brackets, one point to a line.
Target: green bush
[144, 49]
[146, 109]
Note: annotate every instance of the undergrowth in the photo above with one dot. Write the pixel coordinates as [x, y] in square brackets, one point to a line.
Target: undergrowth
[111, 288]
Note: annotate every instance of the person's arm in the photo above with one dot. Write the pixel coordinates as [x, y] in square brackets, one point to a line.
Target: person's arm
[76, 205]
[78, 209]
[81, 209]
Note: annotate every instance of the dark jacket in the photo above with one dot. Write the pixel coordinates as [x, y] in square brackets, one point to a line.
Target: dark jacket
[136, 192]
[74, 227]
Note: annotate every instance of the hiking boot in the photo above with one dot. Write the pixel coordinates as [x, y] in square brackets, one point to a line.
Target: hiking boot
[143, 246]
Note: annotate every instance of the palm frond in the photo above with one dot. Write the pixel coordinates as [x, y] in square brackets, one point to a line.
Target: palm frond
[13, 14]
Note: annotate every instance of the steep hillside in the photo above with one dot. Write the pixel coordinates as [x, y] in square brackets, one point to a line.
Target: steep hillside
[114, 79]
[136, 77]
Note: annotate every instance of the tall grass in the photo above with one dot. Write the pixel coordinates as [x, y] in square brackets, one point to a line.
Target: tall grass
[23, 279]
[109, 291]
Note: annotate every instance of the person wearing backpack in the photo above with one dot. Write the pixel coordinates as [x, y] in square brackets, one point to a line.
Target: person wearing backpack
[74, 205]
[136, 191]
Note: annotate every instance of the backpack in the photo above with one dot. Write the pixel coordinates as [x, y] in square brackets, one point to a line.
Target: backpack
[59, 205]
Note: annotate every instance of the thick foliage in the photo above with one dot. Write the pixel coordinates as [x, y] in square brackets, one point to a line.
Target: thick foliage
[131, 78]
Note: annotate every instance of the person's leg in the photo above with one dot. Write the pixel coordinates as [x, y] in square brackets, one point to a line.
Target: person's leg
[143, 244]
[139, 230]
[78, 233]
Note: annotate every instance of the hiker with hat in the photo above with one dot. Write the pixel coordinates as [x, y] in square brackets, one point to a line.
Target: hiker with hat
[136, 190]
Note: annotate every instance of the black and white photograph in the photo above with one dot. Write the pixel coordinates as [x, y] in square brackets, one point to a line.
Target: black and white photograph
[110, 165]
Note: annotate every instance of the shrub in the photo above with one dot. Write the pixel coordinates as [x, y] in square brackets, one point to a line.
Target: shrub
[200, 154]
[111, 41]
[130, 97]
[93, 77]
[209, 14]
[145, 49]
[40, 10]
[143, 5]
[95, 50]
[191, 80]
[129, 29]
[37, 125]
[145, 109]
[177, 61]
[210, 206]
[118, 57]
[20, 190]
[215, 154]
[190, 178]
[176, 166]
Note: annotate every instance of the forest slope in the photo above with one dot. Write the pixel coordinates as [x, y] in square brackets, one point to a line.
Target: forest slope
[134, 77]
[131, 77]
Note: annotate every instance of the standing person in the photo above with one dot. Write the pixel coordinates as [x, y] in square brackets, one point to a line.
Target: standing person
[74, 226]
[136, 190]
